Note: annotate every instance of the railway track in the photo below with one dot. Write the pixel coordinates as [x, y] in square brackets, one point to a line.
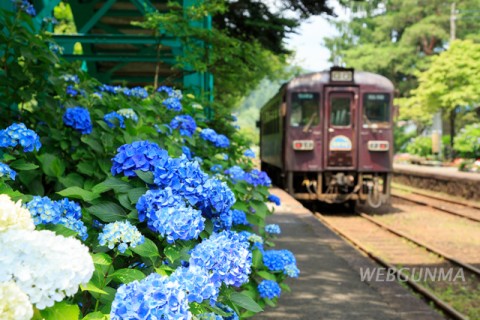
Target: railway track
[422, 290]
[466, 210]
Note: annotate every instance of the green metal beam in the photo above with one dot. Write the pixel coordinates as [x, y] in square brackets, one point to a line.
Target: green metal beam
[97, 16]
[116, 39]
[117, 58]
[144, 6]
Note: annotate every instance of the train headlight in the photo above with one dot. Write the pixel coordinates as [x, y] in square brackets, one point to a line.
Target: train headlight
[378, 145]
[303, 145]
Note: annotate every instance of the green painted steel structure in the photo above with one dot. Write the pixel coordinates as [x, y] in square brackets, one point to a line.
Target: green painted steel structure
[116, 51]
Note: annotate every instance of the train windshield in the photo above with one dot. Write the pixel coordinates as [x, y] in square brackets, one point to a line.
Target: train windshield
[376, 108]
[305, 109]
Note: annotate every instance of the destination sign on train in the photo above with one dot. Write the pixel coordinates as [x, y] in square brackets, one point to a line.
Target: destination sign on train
[341, 75]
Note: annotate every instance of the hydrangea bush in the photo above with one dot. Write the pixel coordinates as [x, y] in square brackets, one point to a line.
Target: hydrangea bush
[151, 209]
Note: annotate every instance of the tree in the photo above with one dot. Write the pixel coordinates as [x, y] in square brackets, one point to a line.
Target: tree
[450, 82]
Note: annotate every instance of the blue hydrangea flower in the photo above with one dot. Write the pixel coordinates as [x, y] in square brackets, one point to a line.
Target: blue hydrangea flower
[139, 155]
[216, 168]
[218, 197]
[128, 114]
[239, 218]
[166, 89]
[249, 153]
[155, 297]
[64, 212]
[186, 151]
[114, 115]
[272, 229]
[71, 91]
[223, 221]
[273, 198]
[6, 171]
[172, 103]
[121, 233]
[235, 173]
[79, 119]
[277, 260]
[185, 123]
[291, 270]
[209, 316]
[179, 222]
[226, 256]
[154, 200]
[269, 289]
[257, 178]
[137, 92]
[17, 134]
[197, 282]
[25, 6]
[218, 140]
[111, 89]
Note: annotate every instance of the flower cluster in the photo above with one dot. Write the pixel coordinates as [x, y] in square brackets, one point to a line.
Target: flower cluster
[272, 229]
[26, 7]
[79, 119]
[173, 103]
[137, 92]
[45, 266]
[155, 297]
[64, 212]
[171, 92]
[6, 171]
[239, 217]
[185, 123]
[281, 260]
[255, 177]
[18, 134]
[226, 256]
[14, 303]
[273, 198]
[139, 155]
[71, 91]
[218, 140]
[121, 233]
[114, 115]
[13, 215]
[269, 289]
[71, 78]
[128, 114]
[196, 282]
[249, 153]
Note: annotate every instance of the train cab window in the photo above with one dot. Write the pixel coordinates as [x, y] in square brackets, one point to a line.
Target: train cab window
[340, 111]
[376, 108]
[305, 109]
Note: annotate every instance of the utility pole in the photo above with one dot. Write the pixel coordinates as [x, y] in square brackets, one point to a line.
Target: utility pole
[453, 113]
[453, 17]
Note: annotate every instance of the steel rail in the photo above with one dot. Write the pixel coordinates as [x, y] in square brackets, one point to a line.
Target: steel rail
[420, 243]
[442, 305]
[437, 207]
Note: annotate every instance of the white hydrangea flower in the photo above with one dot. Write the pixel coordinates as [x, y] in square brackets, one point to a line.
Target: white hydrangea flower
[13, 215]
[14, 303]
[47, 267]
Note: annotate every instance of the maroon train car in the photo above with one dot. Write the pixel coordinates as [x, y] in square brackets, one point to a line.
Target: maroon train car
[328, 136]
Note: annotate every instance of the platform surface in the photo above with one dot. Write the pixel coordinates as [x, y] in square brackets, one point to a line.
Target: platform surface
[329, 286]
[447, 172]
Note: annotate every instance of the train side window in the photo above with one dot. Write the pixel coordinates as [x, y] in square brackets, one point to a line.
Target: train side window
[340, 111]
[305, 109]
[376, 108]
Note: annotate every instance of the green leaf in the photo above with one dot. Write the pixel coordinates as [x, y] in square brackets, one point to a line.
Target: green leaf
[60, 230]
[127, 275]
[116, 184]
[146, 177]
[257, 258]
[102, 259]
[267, 275]
[245, 301]
[92, 288]
[78, 193]
[93, 143]
[135, 194]
[172, 253]
[22, 165]
[285, 287]
[96, 316]
[61, 310]
[147, 249]
[72, 180]
[51, 165]
[107, 211]
[86, 168]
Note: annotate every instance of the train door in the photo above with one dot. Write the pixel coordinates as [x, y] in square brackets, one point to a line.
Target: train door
[340, 139]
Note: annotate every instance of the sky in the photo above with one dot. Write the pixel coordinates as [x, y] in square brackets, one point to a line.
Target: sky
[311, 54]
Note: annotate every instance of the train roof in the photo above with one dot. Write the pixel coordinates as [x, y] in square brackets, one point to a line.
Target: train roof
[315, 79]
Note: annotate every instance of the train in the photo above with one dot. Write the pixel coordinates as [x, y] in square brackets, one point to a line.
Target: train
[328, 136]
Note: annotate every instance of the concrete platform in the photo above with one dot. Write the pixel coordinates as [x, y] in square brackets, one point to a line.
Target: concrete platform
[329, 286]
[446, 173]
